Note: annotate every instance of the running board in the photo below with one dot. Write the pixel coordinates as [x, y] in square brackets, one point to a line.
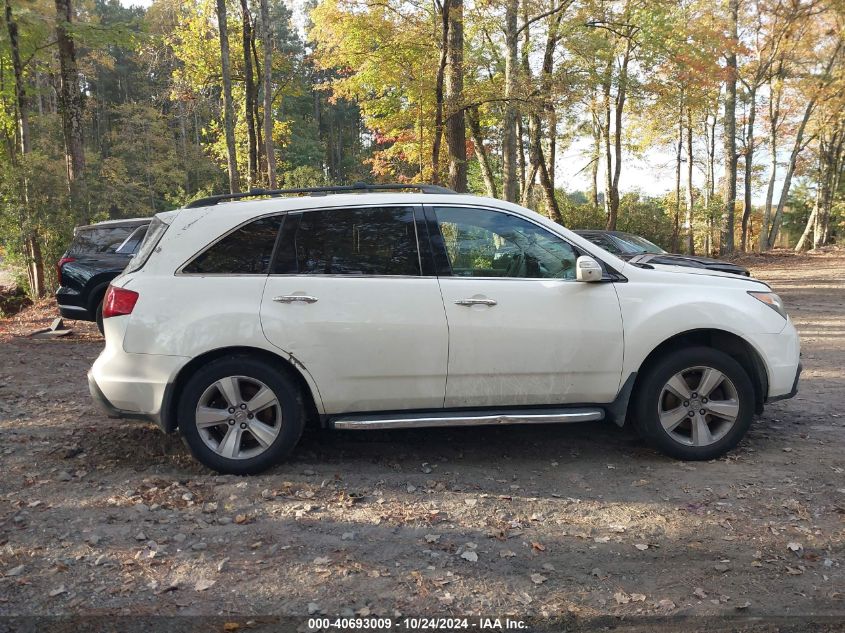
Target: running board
[416, 420]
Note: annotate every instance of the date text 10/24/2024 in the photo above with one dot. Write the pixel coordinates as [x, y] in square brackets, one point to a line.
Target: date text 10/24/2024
[417, 624]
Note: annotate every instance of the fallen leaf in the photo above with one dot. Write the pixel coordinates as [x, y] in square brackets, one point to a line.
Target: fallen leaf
[470, 555]
[203, 584]
[602, 539]
[744, 605]
[321, 560]
[506, 553]
[666, 604]
[637, 597]
[538, 546]
[795, 547]
[431, 538]
[538, 579]
[698, 592]
[641, 546]
[621, 597]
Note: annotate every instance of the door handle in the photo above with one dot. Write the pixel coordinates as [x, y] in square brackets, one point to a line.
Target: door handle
[476, 302]
[294, 298]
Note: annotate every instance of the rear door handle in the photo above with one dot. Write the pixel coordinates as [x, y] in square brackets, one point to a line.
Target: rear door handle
[476, 302]
[294, 298]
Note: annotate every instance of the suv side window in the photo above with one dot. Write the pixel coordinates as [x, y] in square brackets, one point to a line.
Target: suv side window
[606, 243]
[245, 251]
[487, 243]
[99, 241]
[361, 241]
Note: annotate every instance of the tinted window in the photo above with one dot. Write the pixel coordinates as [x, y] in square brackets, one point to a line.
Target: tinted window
[483, 243]
[605, 243]
[371, 241]
[246, 251]
[131, 243]
[97, 241]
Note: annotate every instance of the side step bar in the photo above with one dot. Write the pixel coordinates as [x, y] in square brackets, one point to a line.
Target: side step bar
[416, 420]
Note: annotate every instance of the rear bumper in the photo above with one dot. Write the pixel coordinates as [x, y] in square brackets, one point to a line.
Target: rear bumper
[108, 408]
[134, 386]
[75, 313]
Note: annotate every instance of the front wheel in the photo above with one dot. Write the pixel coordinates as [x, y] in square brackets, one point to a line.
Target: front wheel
[694, 404]
[240, 415]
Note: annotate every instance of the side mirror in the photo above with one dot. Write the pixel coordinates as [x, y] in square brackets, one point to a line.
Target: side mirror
[587, 269]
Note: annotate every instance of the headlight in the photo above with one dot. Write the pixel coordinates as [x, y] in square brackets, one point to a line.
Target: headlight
[771, 300]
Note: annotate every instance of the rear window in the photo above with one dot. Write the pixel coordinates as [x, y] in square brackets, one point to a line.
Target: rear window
[151, 239]
[98, 241]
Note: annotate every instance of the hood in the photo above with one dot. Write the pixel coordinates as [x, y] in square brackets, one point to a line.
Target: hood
[690, 270]
[692, 261]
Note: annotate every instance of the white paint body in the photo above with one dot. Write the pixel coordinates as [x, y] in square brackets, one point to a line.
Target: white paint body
[397, 343]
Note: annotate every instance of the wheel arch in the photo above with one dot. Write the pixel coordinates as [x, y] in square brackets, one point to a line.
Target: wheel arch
[731, 344]
[292, 368]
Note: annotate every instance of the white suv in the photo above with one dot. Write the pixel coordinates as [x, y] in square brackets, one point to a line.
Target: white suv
[239, 322]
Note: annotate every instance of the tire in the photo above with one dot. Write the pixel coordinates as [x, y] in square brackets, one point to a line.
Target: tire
[98, 317]
[718, 422]
[228, 428]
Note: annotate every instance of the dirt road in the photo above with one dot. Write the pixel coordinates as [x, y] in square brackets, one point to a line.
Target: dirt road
[577, 522]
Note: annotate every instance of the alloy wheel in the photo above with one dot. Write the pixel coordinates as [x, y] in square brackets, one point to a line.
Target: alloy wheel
[698, 406]
[238, 417]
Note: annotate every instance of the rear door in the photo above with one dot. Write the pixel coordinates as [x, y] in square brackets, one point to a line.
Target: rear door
[522, 331]
[347, 299]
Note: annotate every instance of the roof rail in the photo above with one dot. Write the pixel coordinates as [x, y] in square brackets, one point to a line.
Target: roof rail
[359, 187]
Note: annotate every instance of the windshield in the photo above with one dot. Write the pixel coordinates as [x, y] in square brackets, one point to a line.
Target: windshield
[634, 244]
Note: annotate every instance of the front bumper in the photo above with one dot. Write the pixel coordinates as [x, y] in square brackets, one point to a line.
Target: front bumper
[794, 390]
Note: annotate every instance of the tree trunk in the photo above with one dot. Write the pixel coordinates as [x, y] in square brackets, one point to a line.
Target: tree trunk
[608, 155]
[803, 241]
[438, 90]
[455, 123]
[749, 166]
[71, 104]
[481, 152]
[269, 148]
[774, 118]
[228, 108]
[596, 155]
[688, 223]
[509, 141]
[21, 97]
[676, 227]
[726, 245]
[250, 97]
[619, 107]
[32, 248]
[797, 148]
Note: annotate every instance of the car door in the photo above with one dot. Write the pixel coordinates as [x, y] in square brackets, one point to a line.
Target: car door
[346, 298]
[522, 331]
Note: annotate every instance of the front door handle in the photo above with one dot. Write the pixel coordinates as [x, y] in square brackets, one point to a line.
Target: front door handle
[293, 298]
[476, 302]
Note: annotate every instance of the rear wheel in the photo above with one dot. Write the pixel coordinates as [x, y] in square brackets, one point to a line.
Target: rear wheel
[694, 404]
[240, 415]
[99, 317]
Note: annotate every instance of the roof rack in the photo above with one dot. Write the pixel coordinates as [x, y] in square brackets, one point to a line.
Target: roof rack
[358, 187]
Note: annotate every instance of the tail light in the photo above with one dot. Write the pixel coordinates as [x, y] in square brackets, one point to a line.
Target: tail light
[60, 263]
[118, 302]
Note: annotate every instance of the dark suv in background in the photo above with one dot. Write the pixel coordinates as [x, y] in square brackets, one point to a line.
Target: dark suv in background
[98, 253]
[639, 250]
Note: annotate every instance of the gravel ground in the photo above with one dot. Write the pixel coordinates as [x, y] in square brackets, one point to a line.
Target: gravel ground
[580, 526]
